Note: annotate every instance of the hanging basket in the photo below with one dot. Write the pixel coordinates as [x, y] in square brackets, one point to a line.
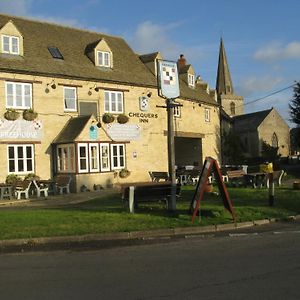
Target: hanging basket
[124, 173]
[11, 115]
[122, 119]
[108, 118]
[29, 115]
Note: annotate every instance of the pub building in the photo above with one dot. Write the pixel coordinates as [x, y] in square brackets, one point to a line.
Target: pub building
[85, 104]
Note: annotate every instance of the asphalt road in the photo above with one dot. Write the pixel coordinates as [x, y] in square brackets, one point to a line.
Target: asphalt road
[249, 264]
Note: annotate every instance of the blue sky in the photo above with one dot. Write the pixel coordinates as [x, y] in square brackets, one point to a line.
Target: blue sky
[261, 37]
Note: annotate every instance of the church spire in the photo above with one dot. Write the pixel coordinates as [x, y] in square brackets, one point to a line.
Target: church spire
[224, 83]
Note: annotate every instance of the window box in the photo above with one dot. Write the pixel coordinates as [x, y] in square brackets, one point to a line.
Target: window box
[108, 118]
[11, 115]
[29, 115]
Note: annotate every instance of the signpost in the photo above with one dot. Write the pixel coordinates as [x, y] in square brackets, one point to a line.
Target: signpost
[168, 88]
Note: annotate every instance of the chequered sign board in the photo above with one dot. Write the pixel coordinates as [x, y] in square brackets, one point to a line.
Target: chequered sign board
[169, 75]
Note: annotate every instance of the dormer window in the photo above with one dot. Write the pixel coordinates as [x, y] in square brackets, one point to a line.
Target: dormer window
[191, 80]
[104, 59]
[10, 44]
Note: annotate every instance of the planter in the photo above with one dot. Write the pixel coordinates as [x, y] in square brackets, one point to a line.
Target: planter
[209, 188]
[108, 118]
[11, 115]
[124, 173]
[296, 185]
[122, 119]
[29, 115]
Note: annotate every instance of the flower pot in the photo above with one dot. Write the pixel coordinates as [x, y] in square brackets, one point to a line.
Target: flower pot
[124, 173]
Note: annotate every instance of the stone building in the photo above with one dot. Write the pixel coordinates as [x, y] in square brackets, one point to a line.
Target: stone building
[97, 109]
[253, 129]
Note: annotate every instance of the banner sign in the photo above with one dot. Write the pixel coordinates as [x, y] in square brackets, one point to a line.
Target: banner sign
[168, 79]
[123, 132]
[21, 130]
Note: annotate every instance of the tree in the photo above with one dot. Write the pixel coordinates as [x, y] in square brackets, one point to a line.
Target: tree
[269, 153]
[295, 105]
[232, 148]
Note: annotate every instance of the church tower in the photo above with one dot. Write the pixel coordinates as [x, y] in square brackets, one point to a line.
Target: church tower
[232, 104]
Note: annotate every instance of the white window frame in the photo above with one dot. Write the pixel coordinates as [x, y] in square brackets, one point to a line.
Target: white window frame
[83, 170]
[177, 111]
[191, 80]
[106, 59]
[74, 99]
[68, 159]
[103, 169]
[207, 114]
[91, 145]
[109, 104]
[14, 94]
[10, 44]
[118, 156]
[24, 159]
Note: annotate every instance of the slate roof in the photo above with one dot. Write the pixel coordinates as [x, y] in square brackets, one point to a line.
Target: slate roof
[72, 130]
[249, 122]
[73, 45]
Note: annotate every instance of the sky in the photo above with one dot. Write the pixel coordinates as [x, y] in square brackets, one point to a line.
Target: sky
[261, 37]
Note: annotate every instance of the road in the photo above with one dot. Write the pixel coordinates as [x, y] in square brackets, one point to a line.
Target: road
[243, 265]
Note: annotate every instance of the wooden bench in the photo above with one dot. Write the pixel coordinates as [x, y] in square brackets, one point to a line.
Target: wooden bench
[236, 177]
[157, 176]
[62, 183]
[147, 192]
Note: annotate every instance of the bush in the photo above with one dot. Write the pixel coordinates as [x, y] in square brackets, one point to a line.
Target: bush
[12, 179]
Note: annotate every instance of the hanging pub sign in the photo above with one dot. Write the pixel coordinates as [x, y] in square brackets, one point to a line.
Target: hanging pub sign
[168, 83]
[21, 130]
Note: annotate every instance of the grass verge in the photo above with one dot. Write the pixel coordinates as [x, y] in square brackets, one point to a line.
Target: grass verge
[109, 214]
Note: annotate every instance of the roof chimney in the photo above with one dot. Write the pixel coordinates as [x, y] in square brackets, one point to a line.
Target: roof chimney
[181, 61]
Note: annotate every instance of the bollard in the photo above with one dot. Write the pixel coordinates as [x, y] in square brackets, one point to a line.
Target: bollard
[271, 190]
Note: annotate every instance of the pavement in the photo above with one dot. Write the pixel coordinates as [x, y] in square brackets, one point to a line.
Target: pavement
[108, 239]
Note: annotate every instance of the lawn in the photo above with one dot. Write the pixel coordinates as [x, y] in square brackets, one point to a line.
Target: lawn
[110, 215]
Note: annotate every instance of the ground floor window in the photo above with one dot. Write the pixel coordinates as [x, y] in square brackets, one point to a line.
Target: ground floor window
[65, 158]
[117, 156]
[104, 157]
[20, 159]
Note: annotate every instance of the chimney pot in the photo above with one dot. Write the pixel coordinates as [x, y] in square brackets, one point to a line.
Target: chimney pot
[181, 61]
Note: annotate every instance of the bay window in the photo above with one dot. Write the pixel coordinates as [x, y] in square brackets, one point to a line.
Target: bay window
[65, 158]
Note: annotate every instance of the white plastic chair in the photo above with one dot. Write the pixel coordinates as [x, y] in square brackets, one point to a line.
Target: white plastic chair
[40, 189]
[63, 183]
[22, 188]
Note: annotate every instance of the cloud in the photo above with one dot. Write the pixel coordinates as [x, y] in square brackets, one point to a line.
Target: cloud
[277, 51]
[253, 85]
[20, 7]
[151, 37]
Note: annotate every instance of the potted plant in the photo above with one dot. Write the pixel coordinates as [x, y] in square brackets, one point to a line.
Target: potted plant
[122, 119]
[12, 179]
[11, 114]
[29, 114]
[108, 118]
[124, 173]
